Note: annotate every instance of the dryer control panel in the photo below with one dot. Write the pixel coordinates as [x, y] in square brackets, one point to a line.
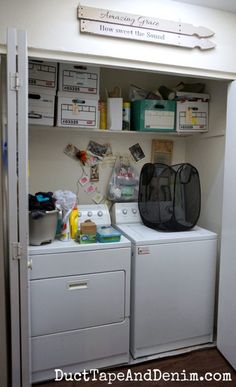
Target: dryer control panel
[125, 213]
[98, 213]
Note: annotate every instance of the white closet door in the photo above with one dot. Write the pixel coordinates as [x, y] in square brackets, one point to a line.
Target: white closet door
[17, 195]
[226, 336]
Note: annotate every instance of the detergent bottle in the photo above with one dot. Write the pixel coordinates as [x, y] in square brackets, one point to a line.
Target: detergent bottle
[74, 222]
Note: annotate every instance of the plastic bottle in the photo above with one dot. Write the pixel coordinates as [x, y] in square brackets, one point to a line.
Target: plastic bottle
[74, 222]
[126, 116]
[103, 115]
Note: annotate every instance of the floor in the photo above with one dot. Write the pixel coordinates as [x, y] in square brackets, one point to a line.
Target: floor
[184, 366]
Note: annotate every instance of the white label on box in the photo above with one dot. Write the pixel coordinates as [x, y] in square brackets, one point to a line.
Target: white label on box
[43, 75]
[159, 119]
[80, 82]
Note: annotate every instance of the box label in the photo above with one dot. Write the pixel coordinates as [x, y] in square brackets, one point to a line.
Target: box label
[159, 119]
[42, 75]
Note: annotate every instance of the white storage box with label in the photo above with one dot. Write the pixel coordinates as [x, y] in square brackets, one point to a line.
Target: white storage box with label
[192, 112]
[43, 76]
[77, 110]
[79, 78]
[41, 108]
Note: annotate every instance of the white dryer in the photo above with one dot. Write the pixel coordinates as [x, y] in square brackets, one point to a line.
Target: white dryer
[80, 302]
[172, 284]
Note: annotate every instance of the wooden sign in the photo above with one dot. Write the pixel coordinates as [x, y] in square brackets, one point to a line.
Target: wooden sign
[147, 35]
[114, 17]
[143, 28]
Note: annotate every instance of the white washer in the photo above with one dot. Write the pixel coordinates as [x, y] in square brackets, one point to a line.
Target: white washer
[80, 302]
[172, 284]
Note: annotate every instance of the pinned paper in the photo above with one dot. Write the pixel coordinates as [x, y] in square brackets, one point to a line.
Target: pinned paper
[137, 152]
[94, 173]
[75, 108]
[84, 180]
[90, 189]
[189, 116]
[98, 198]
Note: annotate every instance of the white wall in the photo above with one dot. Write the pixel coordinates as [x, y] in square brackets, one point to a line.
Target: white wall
[207, 155]
[51, 169]
[53, 30]
[206, 152]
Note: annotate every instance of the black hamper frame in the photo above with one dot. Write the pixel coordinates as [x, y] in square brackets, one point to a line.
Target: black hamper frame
[169, 196]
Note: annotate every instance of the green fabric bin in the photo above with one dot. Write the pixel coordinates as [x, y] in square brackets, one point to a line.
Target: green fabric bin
[150, 115]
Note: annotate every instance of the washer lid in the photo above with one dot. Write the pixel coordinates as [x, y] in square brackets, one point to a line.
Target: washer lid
[140, 234]
[71, 246]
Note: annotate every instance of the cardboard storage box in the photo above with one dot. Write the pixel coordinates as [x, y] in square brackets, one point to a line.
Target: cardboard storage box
[42, 76]
[88, 227]
[77, 111]
[79, 78]
[41, 109]
[192, 115]
[153, 115]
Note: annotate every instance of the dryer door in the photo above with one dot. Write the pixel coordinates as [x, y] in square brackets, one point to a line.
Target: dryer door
[75, 302]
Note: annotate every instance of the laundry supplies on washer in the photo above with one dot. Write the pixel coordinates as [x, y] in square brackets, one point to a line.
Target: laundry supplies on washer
[65, 202]
[106, 234]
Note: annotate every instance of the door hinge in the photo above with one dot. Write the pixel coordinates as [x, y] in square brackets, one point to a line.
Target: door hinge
[16, 251]
[15, 82]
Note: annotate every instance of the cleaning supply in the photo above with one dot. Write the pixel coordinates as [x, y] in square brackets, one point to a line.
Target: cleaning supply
[74, 217]
[88, 232]
[106, 234]
[65, 202]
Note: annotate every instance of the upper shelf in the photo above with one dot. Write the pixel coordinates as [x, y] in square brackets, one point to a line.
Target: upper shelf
[104, 132]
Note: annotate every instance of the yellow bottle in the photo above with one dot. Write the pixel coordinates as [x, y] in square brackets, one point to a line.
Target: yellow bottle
[74, 222]
[103, 115]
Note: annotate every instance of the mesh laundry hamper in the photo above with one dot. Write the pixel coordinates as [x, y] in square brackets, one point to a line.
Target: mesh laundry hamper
[169, 196]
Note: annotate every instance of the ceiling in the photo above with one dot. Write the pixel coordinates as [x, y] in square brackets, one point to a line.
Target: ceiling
[225, 5]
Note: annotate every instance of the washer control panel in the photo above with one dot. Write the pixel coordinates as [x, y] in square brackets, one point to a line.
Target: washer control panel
[97, 213]
[125, 213]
